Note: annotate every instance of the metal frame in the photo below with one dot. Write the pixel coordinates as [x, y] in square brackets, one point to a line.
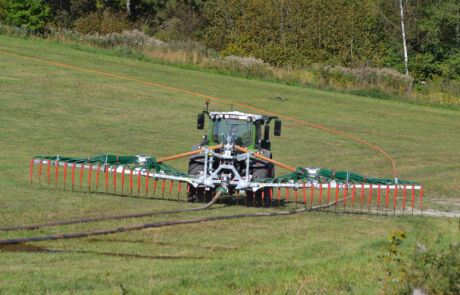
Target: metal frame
[211, 179]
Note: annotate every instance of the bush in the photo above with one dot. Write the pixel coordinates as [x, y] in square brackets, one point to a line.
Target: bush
[385, 80]
[435, 269]
[33, 14]
[105, 23]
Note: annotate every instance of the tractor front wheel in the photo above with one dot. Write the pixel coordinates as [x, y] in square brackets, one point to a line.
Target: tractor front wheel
[195, 194]
[262, 196]
[198, 194]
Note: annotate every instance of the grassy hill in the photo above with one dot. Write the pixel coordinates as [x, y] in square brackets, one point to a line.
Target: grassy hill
[49, 110]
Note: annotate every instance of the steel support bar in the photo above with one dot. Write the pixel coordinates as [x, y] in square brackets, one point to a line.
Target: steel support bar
[251, 185]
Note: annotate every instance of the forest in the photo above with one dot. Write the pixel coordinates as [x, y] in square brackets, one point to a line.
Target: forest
[300, 33]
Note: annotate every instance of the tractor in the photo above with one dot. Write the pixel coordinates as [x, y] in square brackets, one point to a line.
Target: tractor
[229, 130]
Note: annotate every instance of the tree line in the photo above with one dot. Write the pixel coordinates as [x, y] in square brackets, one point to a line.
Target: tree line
[350, 33]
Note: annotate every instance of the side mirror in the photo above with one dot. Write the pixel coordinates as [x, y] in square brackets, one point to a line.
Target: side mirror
[277, 128]
[200, 121]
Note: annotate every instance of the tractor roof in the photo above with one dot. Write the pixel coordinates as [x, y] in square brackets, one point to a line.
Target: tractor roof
[236, 116]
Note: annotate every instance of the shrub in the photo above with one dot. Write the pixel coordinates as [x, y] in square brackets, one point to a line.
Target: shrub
[89, 24]
[435, 269]
[33, 14]
[103, 23]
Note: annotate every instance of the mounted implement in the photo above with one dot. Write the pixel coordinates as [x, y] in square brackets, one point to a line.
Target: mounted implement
[234, 156]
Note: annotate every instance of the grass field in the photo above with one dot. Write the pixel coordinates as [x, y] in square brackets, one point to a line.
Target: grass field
[49, 110]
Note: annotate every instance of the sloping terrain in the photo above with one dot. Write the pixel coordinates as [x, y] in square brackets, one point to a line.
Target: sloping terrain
[48, 110]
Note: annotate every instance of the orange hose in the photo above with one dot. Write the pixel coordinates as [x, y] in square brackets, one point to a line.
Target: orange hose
[287, 167]
[215, 99]
[179, 156]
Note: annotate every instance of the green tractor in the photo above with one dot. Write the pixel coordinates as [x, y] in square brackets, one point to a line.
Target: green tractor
[231, 129]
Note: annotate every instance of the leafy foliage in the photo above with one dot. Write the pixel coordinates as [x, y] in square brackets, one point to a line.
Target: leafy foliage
[104, 23]
[31, 13]
[435, 269]
[349, 33]
[353, 34]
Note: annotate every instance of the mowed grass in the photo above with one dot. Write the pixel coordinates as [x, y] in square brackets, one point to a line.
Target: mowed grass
[49, 110]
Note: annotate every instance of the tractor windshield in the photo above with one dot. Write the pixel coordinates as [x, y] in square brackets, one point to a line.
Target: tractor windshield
[240, 132]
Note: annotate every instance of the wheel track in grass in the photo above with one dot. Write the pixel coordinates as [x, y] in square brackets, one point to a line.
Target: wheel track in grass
[321, 127]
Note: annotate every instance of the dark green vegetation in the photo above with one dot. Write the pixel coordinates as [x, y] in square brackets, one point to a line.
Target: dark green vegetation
[357, 35]
[349, 33]
[435, 268]
[46, 109]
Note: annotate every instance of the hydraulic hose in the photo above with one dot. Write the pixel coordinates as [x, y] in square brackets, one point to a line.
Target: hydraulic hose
[94, 219]
[163, 223]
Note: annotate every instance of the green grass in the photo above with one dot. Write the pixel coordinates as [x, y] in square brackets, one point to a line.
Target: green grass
[48, 110]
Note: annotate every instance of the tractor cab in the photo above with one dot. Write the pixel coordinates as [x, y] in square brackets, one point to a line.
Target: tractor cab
[234, 131]
[238, 128]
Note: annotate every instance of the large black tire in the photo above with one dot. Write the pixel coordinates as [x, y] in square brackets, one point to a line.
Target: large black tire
[249, 198]
[262, 173]
[195, 194]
